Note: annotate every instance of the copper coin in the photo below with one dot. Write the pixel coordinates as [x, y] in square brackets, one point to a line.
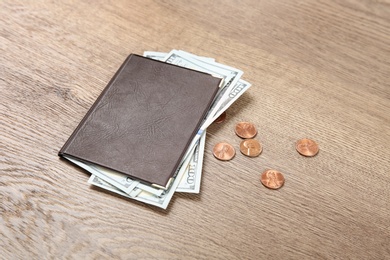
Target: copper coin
[224, 151]
[246, 130]
[221, 118]
[307, 147]
[272, 179]
[251, 147]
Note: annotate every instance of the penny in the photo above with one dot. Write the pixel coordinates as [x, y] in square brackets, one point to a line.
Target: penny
[250, 147]
[272, 179]
[221, 118]
[307, 147]
[224, 151]
[246, 130]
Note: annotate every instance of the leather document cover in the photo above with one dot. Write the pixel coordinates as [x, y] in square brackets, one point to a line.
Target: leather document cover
[144, 120]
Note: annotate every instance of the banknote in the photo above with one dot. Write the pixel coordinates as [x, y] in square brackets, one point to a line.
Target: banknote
[161, 201]
[188, 60]
[155, 55]
[138, 193]
[238, 89]
[202, 58]
[230, 75]
[119, 180]
[161, 56]
[190, 182]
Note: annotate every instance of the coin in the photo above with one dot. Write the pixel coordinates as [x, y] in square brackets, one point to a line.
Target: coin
[272, 179]
[246, 130]
[221, 118]
[307, 147]
[224, 151]
[250, 147]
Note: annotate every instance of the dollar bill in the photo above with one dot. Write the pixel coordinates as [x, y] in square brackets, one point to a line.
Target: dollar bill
[155, 55]
[117, 179]
[95, 180]
[230, 75]
[191, 61]
[161, 201]
[138, 194]
[190, 182]
[161, 56]
[238, 89]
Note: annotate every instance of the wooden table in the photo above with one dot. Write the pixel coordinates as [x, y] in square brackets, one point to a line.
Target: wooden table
[319, 69]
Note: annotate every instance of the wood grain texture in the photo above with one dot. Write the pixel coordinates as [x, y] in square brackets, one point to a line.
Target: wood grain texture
[319, 69]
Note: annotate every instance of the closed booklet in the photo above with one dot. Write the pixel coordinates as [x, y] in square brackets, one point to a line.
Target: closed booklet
[144, 120]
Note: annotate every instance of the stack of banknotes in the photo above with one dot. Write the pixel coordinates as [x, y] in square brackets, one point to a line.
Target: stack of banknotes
[188, 175]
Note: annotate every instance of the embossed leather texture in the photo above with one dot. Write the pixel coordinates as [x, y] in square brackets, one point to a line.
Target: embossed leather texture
[144, 120]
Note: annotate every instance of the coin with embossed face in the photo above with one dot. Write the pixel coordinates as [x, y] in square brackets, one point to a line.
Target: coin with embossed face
[272, 179]
[307, 147]
[221, 118]
[250, 147]
[224, 151]
[246, 130]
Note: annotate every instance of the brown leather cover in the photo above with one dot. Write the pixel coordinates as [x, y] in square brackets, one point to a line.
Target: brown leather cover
[144, 120]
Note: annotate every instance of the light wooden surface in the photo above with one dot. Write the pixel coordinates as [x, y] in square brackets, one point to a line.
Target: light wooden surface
[319, 69]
